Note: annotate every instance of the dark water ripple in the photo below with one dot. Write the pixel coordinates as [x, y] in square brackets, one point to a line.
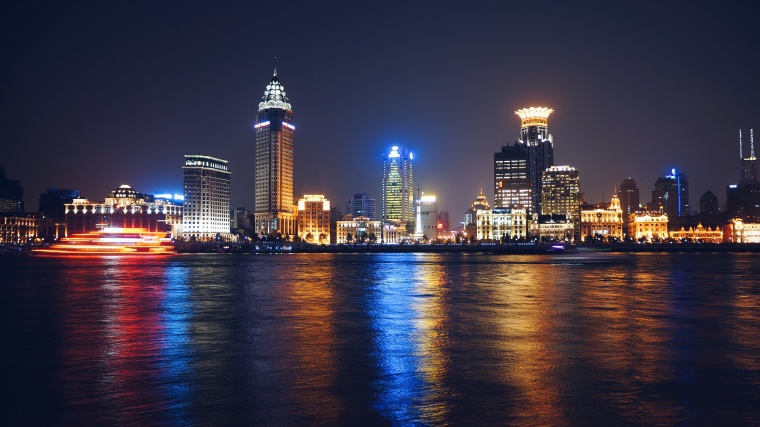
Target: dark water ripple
[382, 339]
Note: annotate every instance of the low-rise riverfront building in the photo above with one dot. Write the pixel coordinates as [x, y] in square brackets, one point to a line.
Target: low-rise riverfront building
[501, 224]
[648, 225]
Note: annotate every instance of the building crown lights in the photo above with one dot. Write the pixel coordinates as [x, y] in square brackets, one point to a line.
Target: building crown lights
[534, 116]
[274, 96]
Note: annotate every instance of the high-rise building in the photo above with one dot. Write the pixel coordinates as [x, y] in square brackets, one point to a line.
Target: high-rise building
[743, 199]
[512, 184]
[629, 197]
[11, 194]
[534, 133]
[561, 194]
[671, 194]
[273, 210]
[708, 204]
[314, 219]
[206, 213]
[362, 205]
[749, 164]
[398, 187]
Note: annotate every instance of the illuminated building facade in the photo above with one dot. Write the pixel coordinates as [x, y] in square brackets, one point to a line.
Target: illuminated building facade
[512, 185]
[398, 187]
[393, 233]
[314, 219]
[502, 224]
[18, 227]
[561, 195]
[426, 224]
[359, 229]
[603, 223]
[470, 216]
[362, 205]
[740, 231]
[534, 134]
[273, 211]
[11, 194]
[698, 234]
[206, 213]
[552, 228]
[126, 208]
[648, 225]
[671, 194]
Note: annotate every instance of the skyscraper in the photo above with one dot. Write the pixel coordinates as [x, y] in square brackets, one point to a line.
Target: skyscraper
[206, 213]
[562, 195]
[273, 210]
[629, 197]
[534, 128]
[398, 187]
[749, 164]
[512, 185]
[671, 194]
[518, 167]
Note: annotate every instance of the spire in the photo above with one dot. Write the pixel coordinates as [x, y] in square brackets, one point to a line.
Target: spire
[275, 66]
[741, 153]
[752, 143]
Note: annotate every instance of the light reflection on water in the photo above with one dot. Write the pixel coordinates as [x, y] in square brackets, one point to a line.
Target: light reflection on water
[376, 339]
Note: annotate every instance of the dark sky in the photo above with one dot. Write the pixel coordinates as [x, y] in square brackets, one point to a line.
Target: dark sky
[99, 94]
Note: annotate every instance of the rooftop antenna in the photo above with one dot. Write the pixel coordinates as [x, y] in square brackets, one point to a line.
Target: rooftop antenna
[741, 153]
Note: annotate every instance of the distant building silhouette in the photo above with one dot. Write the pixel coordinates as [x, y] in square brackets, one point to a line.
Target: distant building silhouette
[53, 202]
[743, 199]
[708, 204]
[629, 197]
[11, 194]
[362, 205]
[671, 194]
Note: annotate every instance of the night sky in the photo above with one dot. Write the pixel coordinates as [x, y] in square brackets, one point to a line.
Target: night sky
[99, 94]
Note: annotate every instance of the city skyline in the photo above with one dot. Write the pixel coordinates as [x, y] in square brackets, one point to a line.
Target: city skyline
[110, 95]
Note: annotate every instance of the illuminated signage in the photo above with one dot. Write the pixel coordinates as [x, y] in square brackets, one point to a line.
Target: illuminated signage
[261, 125]
[287, 125]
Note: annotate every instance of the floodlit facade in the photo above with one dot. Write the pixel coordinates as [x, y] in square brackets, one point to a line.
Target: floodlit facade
[18, 227]
[606, 223]
[648, 225]
[739, 231]
[552, 228]
[698, 234]
[426, 224]
[561, 195]
[206, 213]
[499, 223]
[273, 211]
[398, 186]
[359, 229]
[314, 219]
[124, 208]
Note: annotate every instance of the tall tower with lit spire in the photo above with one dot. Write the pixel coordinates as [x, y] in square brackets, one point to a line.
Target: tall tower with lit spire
[273, 210]
[535, 136]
